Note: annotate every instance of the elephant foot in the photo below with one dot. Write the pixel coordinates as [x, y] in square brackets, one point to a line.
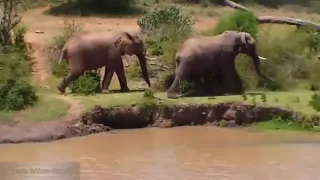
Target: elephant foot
[61, 90]
[125, 89]
[105, 91]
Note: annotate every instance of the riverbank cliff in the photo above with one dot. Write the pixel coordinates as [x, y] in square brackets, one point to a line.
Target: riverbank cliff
[100, 119]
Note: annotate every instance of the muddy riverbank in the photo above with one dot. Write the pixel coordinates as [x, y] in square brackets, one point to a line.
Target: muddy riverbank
[99, 119]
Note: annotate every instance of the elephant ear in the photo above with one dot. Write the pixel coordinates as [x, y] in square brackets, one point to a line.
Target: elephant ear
[247, 39]
[124, 43]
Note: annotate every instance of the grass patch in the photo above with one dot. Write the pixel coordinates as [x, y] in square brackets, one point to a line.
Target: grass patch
[48, 108]
[287, 100]
[286, 125]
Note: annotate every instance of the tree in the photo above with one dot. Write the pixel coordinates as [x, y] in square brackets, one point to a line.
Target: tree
[10, 18]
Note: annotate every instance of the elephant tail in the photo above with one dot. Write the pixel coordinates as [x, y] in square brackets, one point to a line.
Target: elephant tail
[63, 55]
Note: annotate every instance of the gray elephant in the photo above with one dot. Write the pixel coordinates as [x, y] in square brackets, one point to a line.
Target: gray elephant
[214, 56]
[90, 51]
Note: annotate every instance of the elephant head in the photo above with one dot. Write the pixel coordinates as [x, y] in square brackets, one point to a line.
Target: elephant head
[132, 45]
[247, 45]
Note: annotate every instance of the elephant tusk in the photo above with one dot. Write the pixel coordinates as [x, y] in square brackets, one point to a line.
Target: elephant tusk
[262, 58]
[151, 58]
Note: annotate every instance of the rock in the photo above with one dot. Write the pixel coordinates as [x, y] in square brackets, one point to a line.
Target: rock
[39, 32]
[211, 117]
[238, 116]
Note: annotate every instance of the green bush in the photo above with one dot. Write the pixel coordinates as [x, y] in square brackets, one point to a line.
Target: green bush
[87, 84]
[315, 101]
[239, 21]
[167, 16]
[16, 94]
[15, 91]
[19, 43]
[89, 7]
[166, 28]
[69, 30]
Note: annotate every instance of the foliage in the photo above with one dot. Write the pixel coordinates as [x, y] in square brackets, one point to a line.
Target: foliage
[69, 30]
[287, 124]
[166, 28]
[16, 94]
[315, 101]
[171, 16]
[87, 84]
[89, 7]
[10, 18]
[244, 21]
[19, 43]
[148, 94]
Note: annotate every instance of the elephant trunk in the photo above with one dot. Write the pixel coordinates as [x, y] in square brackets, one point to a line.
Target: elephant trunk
[257, 66]
[144, 69]
[172, 92]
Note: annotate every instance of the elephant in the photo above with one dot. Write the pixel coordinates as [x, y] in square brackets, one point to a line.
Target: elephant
[90, 51]
[212, 56]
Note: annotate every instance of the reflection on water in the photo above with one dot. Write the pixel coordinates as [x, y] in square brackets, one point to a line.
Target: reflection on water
[181, 153]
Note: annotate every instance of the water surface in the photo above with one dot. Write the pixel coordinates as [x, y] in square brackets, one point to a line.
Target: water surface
[183, 153]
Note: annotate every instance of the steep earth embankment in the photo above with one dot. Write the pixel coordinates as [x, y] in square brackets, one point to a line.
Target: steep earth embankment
[100, 119]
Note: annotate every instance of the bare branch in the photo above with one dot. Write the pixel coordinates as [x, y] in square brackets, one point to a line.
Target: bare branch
[235, 5]
[287, 20]
[273, 19]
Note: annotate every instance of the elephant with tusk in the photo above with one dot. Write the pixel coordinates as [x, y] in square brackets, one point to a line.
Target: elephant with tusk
[90, 51]
[214, 57]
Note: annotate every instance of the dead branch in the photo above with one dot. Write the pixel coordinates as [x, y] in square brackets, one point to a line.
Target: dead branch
[235, 5]
[287, 20]
[273, 19]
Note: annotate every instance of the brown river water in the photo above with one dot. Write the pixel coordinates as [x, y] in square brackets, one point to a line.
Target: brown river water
[182, 153]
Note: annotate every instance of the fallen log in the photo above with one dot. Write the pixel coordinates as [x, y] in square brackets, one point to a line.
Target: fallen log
[273, 19]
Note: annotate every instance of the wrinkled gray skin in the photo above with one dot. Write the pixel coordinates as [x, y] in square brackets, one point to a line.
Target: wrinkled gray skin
[90, 51]
[207, 56]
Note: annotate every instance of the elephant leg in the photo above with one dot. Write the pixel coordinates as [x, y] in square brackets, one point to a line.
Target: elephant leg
[208, 84]
[72, 76]
[122, 79]
[107, 79]
[238, 87]
[232, 82]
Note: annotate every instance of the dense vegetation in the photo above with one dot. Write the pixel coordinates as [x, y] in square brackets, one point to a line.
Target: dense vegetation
[15, 68]
[135, 7]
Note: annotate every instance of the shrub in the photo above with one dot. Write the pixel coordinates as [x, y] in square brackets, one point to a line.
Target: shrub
[170, 16]
[166, 28]
[315, 101]
[69, 30]
[239, 21]
[19, 43]
[148, 94]
[87, 84]
[16, 94]
[10, 18]
[89, 7]
[13, 64]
